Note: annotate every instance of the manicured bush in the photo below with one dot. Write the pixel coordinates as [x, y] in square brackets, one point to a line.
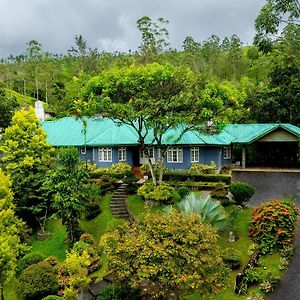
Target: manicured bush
[220, 193]
[28, 260]
[38, 281]
[52, 297]
[105, 183]
[119, 170]
[185, 176]
[119, 292]
[241, 192]
[183, 191]
[161, 193]
[273, 225]
[232, 258]
[92, 210]
[196, 169]
[254, 275]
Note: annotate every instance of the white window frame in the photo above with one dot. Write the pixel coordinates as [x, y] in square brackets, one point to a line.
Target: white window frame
[82, 150]
[94, 155]
[176, 153]
[152, 156]
[122, 154]
[227, 152]
[105, 154]
[194, 154]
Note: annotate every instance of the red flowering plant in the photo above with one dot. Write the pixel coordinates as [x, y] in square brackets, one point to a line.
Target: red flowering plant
[273, 225]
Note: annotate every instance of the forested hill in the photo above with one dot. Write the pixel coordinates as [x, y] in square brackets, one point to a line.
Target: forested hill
[265, 84]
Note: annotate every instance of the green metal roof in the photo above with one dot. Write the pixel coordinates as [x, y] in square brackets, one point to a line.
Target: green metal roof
[249, 133]
[104, 132]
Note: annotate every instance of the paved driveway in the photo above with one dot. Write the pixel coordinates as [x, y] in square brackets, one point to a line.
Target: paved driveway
[275, 185]
[270, 185]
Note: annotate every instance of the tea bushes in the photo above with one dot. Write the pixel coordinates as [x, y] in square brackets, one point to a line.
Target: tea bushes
[273, 224]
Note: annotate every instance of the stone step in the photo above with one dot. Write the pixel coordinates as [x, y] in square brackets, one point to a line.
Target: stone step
[122, 215]
[120, 203]
[119, 193]
[119, 208]
[117, 200]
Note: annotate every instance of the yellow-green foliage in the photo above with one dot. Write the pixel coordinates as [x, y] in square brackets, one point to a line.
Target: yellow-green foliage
[196, 169]
[24, 142]
[176, 252]
[161, 193]
[10, 230]
[120, 168]
[73, 273]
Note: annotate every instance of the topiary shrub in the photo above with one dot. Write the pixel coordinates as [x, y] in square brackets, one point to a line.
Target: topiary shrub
[273, 225]
[232, 258]
[38, 281]
[220, 193]
[28, 260]
[119, 170]
[183, 191]
[52, 297]
[105, 183]
[161, 193]
[119, 292]
[241, 192]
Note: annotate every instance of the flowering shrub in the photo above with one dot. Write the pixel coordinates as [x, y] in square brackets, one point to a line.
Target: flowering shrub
[162, 193]
[272, 225]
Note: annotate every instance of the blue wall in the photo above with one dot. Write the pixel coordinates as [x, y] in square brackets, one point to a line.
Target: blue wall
[206, 155]
[89, 156]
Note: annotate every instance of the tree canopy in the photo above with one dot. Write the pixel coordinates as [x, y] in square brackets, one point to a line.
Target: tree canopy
[166, 254]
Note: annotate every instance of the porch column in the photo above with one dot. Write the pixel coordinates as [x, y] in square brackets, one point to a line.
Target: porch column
[243, 157]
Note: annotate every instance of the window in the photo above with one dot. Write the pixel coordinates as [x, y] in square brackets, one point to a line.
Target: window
[227, 152]
[175, 155]
[83, 150]
[122, 154]
[194, 154]
[105, 154]
[151, 152]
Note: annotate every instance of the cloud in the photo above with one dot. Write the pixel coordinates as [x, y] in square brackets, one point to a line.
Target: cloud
[111, 24]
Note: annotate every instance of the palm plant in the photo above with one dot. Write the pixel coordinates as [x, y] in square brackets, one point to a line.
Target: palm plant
[211, 212]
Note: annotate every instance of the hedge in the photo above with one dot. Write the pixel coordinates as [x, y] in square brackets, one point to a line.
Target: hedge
[197, 178]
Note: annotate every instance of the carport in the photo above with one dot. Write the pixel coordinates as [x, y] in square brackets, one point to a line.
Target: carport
[266, 145]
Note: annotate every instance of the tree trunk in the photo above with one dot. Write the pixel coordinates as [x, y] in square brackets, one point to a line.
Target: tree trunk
[152, 171]
[161, 168]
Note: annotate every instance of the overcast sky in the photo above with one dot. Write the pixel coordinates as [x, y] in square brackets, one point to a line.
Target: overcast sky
[111, 24]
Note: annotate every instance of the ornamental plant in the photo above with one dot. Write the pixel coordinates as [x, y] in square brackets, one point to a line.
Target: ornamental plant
[273, 225]
[166, 254]
[202, 168]
[241, 192]
[162, 193]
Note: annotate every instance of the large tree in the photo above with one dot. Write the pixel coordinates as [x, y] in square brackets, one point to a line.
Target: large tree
[8, 105]
[68, 184]
[11, 231]
[27, 158]
[166, 254]
[275, 15]
[154, 99]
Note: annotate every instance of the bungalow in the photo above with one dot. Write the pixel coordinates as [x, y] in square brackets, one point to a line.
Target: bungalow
[106, 143]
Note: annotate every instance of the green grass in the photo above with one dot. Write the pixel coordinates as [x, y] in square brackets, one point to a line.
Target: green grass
[55, 245]
[137, 207]
[103, 222]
